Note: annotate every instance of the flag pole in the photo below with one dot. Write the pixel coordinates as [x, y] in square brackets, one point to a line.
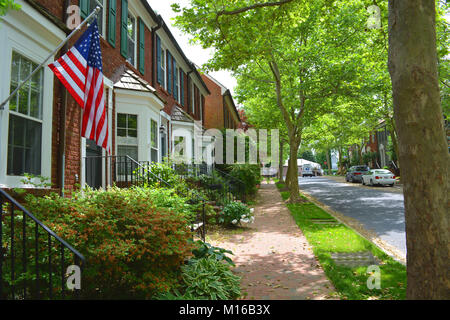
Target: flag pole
[81, 25]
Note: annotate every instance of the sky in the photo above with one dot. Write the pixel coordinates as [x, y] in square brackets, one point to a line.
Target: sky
[195, 53]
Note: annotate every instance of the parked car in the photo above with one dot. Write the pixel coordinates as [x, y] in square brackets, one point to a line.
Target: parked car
[378, 177]
[354, 174]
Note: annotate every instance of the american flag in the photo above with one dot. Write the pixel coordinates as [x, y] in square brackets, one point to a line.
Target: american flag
[81, 72]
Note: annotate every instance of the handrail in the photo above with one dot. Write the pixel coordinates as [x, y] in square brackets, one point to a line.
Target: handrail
[229, 175]
[30, 252]
[54, 235]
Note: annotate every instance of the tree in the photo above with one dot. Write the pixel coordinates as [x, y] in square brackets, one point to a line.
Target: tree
[423, 149]
[6, 5]
[304, 49]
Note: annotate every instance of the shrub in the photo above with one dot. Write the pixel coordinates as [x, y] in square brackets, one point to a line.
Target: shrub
[156, 171]
[133, 245]
[249, 174]
[205, 250]
[234, 213]
[208, 278]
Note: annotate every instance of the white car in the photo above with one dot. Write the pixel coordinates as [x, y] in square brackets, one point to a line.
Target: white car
[378, 176]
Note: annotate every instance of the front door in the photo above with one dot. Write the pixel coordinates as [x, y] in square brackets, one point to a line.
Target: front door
[93, 164]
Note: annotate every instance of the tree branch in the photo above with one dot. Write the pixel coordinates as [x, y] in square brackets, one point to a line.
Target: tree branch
[255, 6]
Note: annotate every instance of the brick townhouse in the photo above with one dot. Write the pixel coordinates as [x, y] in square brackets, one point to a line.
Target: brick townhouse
[220, 111]
[154, 94]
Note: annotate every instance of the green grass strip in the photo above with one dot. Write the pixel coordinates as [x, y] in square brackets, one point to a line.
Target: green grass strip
[350, 282]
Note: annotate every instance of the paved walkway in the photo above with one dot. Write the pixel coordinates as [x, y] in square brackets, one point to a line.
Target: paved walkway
[273, 256]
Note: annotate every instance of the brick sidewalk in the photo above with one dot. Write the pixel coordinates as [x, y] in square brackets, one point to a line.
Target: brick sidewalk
[273, 256]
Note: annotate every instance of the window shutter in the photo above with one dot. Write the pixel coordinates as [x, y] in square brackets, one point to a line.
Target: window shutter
[175, 80]
[124, 29]
[84, 8]
[182, 87]
[169, 72]
[158, 60]
[141, 46]
[112, 22]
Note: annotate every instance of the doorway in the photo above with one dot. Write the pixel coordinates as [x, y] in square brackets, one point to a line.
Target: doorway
[93, 164]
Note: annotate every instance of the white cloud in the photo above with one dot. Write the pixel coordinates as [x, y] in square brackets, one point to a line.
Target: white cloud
[195, 53]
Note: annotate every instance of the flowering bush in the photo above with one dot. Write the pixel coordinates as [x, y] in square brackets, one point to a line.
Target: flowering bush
[134, 241]
[235, 213]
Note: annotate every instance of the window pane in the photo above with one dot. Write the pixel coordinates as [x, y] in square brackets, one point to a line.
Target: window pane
[92, 5]
[154, 155]
[132, 121]
[121, 120]
[154, 134]
[132, 133]
[24, 146]
[131, 151]
[122, 132]
[29, 98]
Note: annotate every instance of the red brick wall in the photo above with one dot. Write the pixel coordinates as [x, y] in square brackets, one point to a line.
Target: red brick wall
[113, 61]
[213, 107]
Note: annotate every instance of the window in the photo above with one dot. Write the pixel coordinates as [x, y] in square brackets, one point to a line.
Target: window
[94, 4]
[176, 80]
[169, 73]
[153, 140]
[163, 67]
[25, 119]
[86, 8]
[180, 145]
[131, 27]
[126, 125]
[182, 88]
[127, 143]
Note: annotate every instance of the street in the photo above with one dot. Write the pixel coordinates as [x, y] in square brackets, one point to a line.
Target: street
[379, 209]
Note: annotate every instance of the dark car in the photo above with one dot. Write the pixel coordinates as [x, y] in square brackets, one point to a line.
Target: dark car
[354, 174]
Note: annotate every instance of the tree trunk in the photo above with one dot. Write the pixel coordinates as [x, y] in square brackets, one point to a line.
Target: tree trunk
[329, 162]
[292, 176]
[422, 145]
[280, 162]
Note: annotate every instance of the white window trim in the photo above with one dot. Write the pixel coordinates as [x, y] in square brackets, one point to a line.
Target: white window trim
[164, 66]
[25, 45]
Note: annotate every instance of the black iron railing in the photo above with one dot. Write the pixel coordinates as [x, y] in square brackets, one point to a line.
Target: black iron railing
[33, 259]
[228, 188]
[237, 186]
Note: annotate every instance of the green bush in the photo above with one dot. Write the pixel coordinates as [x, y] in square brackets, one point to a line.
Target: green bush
[249, 174]
[205, 250]
[208, 278]
[156, 171]
[234, 213]
[134, 240]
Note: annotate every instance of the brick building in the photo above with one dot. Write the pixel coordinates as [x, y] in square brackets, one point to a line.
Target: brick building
[220, 111]
[146, 77]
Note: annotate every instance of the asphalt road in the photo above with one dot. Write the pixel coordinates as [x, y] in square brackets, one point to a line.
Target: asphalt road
[376, 208]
